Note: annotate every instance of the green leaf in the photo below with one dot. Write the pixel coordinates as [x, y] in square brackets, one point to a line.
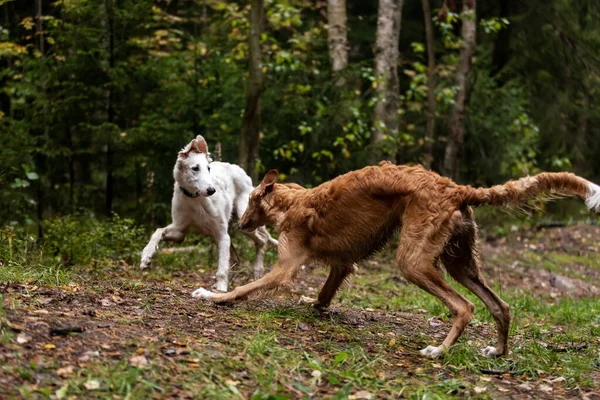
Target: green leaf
[340, 358]
[32, 176]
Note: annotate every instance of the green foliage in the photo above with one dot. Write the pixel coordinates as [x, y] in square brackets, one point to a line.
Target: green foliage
[79, 239]
[76, 112]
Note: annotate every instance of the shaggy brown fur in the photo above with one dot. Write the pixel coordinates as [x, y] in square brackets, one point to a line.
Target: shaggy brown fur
[352, 216]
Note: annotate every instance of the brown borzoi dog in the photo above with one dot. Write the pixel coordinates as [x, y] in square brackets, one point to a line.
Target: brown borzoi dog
[347, 219]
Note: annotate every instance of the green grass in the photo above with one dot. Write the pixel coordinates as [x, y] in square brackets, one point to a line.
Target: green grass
[280, 350]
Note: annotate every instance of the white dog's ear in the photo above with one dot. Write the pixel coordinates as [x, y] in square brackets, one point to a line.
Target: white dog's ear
[197, 145]
[201, 145]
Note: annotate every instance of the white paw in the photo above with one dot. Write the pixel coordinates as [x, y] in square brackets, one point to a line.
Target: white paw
[490, 351]
[145, 262]
[220, 286]
[434, 352]
[202, 294]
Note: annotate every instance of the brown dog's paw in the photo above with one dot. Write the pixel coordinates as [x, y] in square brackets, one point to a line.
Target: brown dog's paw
[491, 351]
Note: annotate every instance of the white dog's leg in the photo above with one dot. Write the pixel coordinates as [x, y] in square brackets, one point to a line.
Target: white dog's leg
[259, 237]
[223, 245]
[171, 233]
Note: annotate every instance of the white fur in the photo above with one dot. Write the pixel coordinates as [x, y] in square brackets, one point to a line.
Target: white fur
[490, 351]
[593, 200]
[202, 293]
[209, 214]
[434, 352]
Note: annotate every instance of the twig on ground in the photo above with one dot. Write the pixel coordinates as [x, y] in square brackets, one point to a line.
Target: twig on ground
[500, 372]
[65, 330]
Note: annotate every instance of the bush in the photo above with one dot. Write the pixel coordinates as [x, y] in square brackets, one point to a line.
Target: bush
[78, 239]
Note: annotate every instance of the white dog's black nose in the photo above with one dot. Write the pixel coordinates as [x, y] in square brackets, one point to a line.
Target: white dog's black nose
[210, 191]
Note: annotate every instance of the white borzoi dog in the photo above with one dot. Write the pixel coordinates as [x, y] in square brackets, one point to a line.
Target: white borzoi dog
[206, 196]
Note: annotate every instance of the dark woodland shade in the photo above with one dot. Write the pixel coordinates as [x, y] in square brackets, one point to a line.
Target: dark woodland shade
[98, 97]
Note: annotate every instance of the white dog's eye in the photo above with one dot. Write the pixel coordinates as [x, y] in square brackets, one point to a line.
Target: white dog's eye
[209, 168]
[196, 168]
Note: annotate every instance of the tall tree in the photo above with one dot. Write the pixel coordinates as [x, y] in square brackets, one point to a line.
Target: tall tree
[41, 160]
[337, 34]
[456, 123]
[110, 108]
[386, 71]
[430, 124]
[250, 132]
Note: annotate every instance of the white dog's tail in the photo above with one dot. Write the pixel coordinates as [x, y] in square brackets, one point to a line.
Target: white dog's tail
[522, 191]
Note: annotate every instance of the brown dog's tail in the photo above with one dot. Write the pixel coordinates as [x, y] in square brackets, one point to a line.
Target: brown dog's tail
[522, 191]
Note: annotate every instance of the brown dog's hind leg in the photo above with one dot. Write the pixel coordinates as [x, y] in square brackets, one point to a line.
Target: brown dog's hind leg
[336, 277]
[461, 259]
[419, 247]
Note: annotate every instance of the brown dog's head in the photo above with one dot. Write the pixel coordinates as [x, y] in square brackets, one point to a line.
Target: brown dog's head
[255, 215]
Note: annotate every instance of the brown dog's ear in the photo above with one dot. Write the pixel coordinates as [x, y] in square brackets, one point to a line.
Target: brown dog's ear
[201, 146]
[270, 177]
[268, 181]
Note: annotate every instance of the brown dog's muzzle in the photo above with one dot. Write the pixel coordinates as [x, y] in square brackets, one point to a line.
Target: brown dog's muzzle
[244, 226]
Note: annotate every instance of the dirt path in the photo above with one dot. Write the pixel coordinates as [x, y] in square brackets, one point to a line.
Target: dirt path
[133, 336]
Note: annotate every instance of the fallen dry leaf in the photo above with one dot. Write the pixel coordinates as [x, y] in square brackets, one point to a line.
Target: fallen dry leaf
[362, 394]
[65, 371]
[92, 384]
[525, 386]
[546, 388]
[433, 322]
[17, 327]
[316, 374]
[62, 392]
[85, 357]
[23, 338]
[106, 303]
[138, 361]
[479, 389]
[49, 346]
[303, 326]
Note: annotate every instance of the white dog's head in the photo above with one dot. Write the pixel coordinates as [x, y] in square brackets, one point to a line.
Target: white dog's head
[192, 169]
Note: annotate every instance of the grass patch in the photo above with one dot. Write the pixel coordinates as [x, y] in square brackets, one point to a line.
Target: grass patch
[277, 349]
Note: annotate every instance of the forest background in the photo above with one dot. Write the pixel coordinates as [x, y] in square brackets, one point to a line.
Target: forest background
[97, 96]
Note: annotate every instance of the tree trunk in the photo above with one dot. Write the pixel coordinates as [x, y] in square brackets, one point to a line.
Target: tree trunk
[386, 72]
[337, 33]
[250, 132]
[456, 125]
[430, 124]
[110, 111]
[41, 159]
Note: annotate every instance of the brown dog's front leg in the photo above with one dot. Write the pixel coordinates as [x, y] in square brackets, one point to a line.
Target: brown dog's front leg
[282, 275]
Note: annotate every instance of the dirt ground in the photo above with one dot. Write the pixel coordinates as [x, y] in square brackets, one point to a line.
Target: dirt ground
[83, 339]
